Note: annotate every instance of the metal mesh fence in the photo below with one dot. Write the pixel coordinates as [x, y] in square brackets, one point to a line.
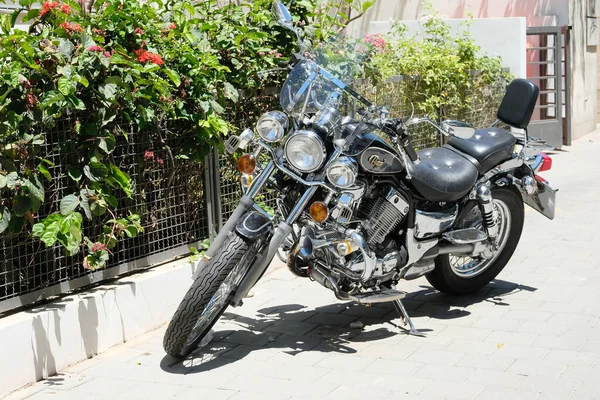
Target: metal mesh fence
[172, 215]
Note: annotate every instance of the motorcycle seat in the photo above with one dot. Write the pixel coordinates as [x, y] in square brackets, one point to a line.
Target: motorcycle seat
[442, 175]
[489, 147]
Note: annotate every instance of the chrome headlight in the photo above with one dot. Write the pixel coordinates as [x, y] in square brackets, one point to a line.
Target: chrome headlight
[342, 172]
[305, 151]
[272, 126]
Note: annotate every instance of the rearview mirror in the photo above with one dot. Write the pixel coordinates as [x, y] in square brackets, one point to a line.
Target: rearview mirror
[284, 18]
[458, 128]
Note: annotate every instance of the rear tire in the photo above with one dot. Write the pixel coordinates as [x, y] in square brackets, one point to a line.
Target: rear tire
[446, 280]
[183, 335]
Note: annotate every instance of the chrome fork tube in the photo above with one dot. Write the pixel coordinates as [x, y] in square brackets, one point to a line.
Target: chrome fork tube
[246, 202]
[301, 205]
[261, 180]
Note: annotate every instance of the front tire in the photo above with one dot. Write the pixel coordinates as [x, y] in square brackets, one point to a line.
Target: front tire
[208, 297]
[447, 277]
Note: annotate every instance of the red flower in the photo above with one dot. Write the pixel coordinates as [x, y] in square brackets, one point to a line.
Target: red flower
[173, 25]
[138, 31]
[48, 6]
[71, 28]
[145, 56]
[65, 8]
[160, 161]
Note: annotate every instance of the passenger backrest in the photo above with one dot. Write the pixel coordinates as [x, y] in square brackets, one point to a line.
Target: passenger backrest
[518, 103]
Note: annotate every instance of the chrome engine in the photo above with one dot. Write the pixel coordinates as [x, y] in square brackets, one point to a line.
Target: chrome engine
[383, 215]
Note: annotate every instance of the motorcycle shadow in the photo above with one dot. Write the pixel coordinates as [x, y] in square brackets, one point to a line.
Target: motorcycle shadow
[302, 331]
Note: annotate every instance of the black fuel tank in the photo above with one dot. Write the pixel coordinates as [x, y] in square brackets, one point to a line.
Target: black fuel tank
[379, 158]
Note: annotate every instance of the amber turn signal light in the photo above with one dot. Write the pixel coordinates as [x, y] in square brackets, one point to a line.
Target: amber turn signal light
[247, 164]
[318, 211]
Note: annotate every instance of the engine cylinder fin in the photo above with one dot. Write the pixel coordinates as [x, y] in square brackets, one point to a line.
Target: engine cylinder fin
[383, 218]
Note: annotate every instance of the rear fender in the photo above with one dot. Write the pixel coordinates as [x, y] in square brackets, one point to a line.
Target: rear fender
[535, 191]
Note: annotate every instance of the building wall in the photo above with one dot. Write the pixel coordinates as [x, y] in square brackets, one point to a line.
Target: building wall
[584, 61]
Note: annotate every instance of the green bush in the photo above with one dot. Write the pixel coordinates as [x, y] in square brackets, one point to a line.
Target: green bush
[115, 63]
[446, 75]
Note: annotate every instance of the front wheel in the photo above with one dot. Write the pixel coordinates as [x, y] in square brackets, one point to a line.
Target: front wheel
[208, 297]
[460, 274]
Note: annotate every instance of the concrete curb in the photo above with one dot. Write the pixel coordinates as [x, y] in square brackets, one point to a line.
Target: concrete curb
[41, 341]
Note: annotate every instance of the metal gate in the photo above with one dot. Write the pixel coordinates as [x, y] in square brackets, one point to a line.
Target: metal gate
[546, 64]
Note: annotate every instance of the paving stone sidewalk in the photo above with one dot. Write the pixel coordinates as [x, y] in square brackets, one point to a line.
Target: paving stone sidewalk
[532, 334]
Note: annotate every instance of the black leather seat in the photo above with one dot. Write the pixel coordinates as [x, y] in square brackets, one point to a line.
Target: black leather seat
[489, 147]
[442, 175]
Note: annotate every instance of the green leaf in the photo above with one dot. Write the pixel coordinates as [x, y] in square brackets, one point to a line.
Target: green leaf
[37, 229]
[84, 202]
[174, 76]
[35, 188]
[112, 200]
[50, 233]
[122, 180]
[21, 205]
[87, 41]
[98, 208]
[366, 5]
[44, 171]
[11, 180]
[83, 80]
[131, 231]
[77, 103]
[65, 47]
[107, 144]
[109, 91]
[216, 107]
[51, 98]
[65, 86]
[74, 173]
[95, 171]
[231, 92]
[72, 220]
[31, 14]
[5, 218]
[68, 204]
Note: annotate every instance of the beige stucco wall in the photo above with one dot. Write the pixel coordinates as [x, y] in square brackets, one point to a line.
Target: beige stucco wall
[584, 61]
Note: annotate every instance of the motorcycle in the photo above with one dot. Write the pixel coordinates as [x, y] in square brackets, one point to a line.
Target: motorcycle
[358, 209]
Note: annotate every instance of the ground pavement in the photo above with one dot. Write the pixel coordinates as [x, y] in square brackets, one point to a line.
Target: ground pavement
[532, 334]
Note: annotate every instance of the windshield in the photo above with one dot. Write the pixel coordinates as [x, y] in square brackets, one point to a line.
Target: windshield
[319, 87]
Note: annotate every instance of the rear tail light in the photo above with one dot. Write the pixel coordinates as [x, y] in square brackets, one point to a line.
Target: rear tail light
[546, 164]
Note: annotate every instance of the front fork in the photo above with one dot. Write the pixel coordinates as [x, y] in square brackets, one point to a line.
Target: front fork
[284, 229]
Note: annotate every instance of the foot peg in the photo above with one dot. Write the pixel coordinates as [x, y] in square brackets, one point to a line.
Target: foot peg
[382, 296]
[406, 319]
[465, 236]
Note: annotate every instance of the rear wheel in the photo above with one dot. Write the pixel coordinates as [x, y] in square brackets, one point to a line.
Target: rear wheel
[208, 297]
[460, 274]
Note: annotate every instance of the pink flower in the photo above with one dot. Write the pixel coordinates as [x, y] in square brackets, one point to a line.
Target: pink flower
[278, 55]
[160, 162]
[95, 48]
[148, 155]
[138, 31]
[98, 247]
[376, 41]
[107, 54]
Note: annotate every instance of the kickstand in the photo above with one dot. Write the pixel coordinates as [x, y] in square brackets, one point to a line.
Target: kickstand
[406, 319]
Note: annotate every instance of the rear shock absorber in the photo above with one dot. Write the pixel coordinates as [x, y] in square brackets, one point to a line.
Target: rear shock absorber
[486, 205]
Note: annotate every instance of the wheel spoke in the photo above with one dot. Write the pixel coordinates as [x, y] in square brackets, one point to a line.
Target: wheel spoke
[468, 267]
